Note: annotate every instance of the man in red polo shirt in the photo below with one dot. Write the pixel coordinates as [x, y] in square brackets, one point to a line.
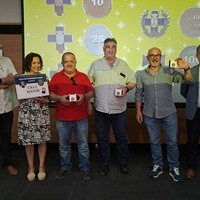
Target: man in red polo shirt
[71, 90]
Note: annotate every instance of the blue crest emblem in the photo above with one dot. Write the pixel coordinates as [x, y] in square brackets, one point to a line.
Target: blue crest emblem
[153, 25]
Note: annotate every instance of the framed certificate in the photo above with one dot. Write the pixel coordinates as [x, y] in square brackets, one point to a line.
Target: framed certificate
[30, 86]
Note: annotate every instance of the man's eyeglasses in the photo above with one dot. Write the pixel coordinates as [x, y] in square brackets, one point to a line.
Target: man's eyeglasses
[154, 56]
[73, 81]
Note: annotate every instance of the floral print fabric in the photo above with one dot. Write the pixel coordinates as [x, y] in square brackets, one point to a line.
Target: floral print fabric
[33, 123]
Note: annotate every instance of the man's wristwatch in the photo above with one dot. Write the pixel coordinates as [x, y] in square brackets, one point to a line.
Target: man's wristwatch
[187, 69]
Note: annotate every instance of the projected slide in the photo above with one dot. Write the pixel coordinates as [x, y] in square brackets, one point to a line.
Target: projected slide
[52, 27]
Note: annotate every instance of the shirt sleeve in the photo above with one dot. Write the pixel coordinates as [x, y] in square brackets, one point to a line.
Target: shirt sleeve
[131, 76]
[139, 87]
[88, 83]
[91, 74]
[178, 77]
[10, 66]
[52, 84]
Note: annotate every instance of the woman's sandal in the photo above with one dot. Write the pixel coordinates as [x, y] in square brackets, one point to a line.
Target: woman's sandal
[42, 174]
[31, 174]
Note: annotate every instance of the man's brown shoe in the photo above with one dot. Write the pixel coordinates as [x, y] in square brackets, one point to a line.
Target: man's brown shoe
[86, 175]
[190, 174]
[12, 170]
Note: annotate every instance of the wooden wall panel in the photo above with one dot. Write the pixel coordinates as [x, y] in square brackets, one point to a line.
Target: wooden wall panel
[12, 46]
[136, 133]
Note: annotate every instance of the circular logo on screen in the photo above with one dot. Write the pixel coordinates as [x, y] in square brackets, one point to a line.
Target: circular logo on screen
[94, 38]
[189, 53]
[190, 22]
[97, 8]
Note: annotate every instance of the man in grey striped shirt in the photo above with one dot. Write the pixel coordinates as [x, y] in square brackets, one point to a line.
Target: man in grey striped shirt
[154, 89]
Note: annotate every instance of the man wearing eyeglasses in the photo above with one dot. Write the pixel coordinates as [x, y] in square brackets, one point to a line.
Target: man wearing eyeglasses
[154, 89]
[112, 79]
[71, 90]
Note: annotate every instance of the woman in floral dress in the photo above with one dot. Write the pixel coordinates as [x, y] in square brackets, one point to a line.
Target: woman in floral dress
[34, 122]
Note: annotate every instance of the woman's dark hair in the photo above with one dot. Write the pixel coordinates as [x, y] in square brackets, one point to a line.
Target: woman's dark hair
[28, 60]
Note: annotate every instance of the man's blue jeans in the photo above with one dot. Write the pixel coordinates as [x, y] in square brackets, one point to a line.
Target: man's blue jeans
[170, 126]
[80, 130]
[118, 122]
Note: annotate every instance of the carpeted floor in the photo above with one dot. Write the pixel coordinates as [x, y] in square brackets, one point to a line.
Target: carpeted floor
[115, 186]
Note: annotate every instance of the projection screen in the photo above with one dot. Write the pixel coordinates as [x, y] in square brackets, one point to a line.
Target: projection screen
[52, 27]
